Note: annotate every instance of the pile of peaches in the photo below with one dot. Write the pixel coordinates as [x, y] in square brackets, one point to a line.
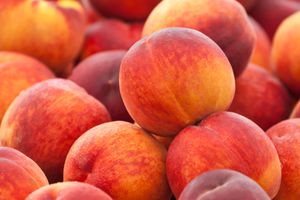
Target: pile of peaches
[149, 99]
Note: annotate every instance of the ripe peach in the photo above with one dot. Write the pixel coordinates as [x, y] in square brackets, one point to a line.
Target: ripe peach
[110, 34]
[18, 72]
[296, 111]
[45, 120]
[28, 27]
[223, 184]
[261, 54]
[286, 55]
[225, 22]
[173, 78]
[69, 191]
[248, 4]
[122, 160]
[223, 140]
[270, 13]
[261, 97]
[125, 9]
[286, 138]
[19, 175]
[99, 76]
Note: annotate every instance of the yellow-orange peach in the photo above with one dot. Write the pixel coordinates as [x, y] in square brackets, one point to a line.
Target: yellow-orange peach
[18, 72]
[286, 54]
[173, 78]
[223, 140]
[225, 22]
[286, 138]
[45, 120]
[122, 160]
[69, 191]
[19, 175]
[51, 31]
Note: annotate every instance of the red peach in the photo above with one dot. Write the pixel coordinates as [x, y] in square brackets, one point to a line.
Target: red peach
[225, 22]
[122, 160]
[223, 140]
[69, 191]
[286, 138]
[45, 120]
[296, 111]
[261, 97]
[19, 175]
[270, 13]
[99, 76]
[125, 9]
[248, 4]
[174, 78]
[110, 34]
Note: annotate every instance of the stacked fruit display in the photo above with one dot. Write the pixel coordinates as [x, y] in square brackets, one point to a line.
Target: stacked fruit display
[149, 99]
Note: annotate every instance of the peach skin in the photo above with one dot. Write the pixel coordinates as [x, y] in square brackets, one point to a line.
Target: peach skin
[173, 78]
[223, 140]
[31, 32]
[286, 138]
[225, 22]
[45, 120]
[17, 73]
[19, 175]
[120, 159]
[69, 191]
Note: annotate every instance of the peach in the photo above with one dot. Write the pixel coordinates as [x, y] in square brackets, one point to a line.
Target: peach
[285, 54]
[19, 175]
[99, 76]
[31, 32]
[248, 4]
[286, 138]
[165, 141]
[224, 21]
[122, 160]
[125, 9]
[18, 72]
[296, 111]
[110, 34]
[223, 140]
[173, 78]
[223, 184]
[270, 13]
[261, 54]
[69, 191]
[261, 97]
[91, 14]
[45, 120]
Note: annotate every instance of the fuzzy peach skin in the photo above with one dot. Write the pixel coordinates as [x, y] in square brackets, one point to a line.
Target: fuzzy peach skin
[224, 21]
[223, 184]
[261, 97]
[17, 73]
[135, 10]
[286, 54]
[286, 138]
[173, 78]
[270, 13]
[122, 160]
[110, 34]
[99, 76]
[51, 31]
[45, 120]
[223, 140]
[69, 191]
[261, 54]
[19, 175]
